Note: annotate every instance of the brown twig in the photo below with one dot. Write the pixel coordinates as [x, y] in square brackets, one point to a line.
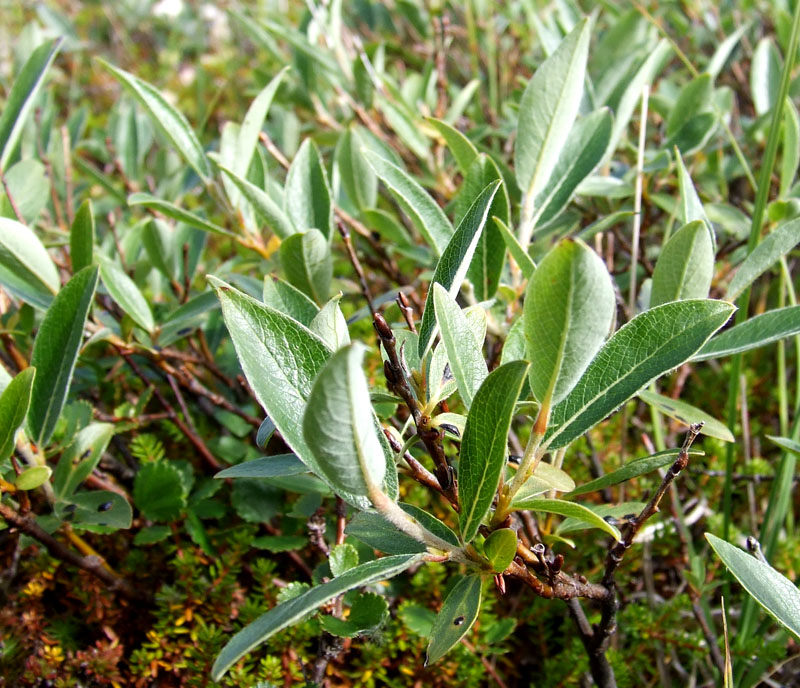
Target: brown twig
[10, 198]
[396, 381]
[91, 564]
[362, 278]
[421, 474]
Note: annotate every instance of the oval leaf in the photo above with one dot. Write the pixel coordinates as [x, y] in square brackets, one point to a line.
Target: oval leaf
[768, 252]
[26, 269]
[176, 213]
[631, 470]
[547, 110]
[452, 266]
[757, 331]
[772, 590]
[685, 266]
[294, 610]
[417, 203]
[14, 404]
[127, 295]
[280, 359]
[485, 444]
[651, 344]
[307, 194]
[307, 262]
[22, 96]
[569, 509]
[500, 548]
[583, 150]
[277, 466]
[568, 311]
[463, 352]
[55, 352]
[338, 425]
[166, 118]
[81, 237]
[32, 477]
[688, 414]
[458, 613]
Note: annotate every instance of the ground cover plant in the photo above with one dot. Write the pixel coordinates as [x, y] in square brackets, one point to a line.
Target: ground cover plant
[399, 343]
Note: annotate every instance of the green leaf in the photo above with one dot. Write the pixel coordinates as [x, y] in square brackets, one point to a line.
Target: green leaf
[127, 295]
[27, 183]
[80, 458]
[724, 50]
[424, 212]
[772, 590]
[306, 260]
[267, 467]
[790, 148]
[688, 414]
[768, 252]
[280, 359]
[500, 548]
[96, 508]
[14, 403]
[786, 443]
[546, 477]
[342, 558]
[569, 509]
[32, 477]
[81, 237]
[630, 470]
[55, 352]
[583, 150]
[294, 610]
[158, 491]
[266, 209]
[289, 300]
[356, 176]
[247, 140]
[26, 269]
[374, 530]
[307, 194]
[520, 255]
[485, 444]
[691, 208]
[757, 331]
[632, 96]
[648, 346]
[22, 96]
[458, 613]
[339, 428]
[176, 213]
[463, 351]
[487, 263]
[367, 612]
[765, 76]
[330, 326]
[452, 266]
[548, 109]
[685, 266]
[693, 134]
[431, 524]
[610, 513]
[166, 118]
[568, 311]
[463, 150]
[694, 98]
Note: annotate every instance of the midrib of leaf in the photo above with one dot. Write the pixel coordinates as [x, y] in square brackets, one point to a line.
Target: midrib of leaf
[666, 344]
[562, 345]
